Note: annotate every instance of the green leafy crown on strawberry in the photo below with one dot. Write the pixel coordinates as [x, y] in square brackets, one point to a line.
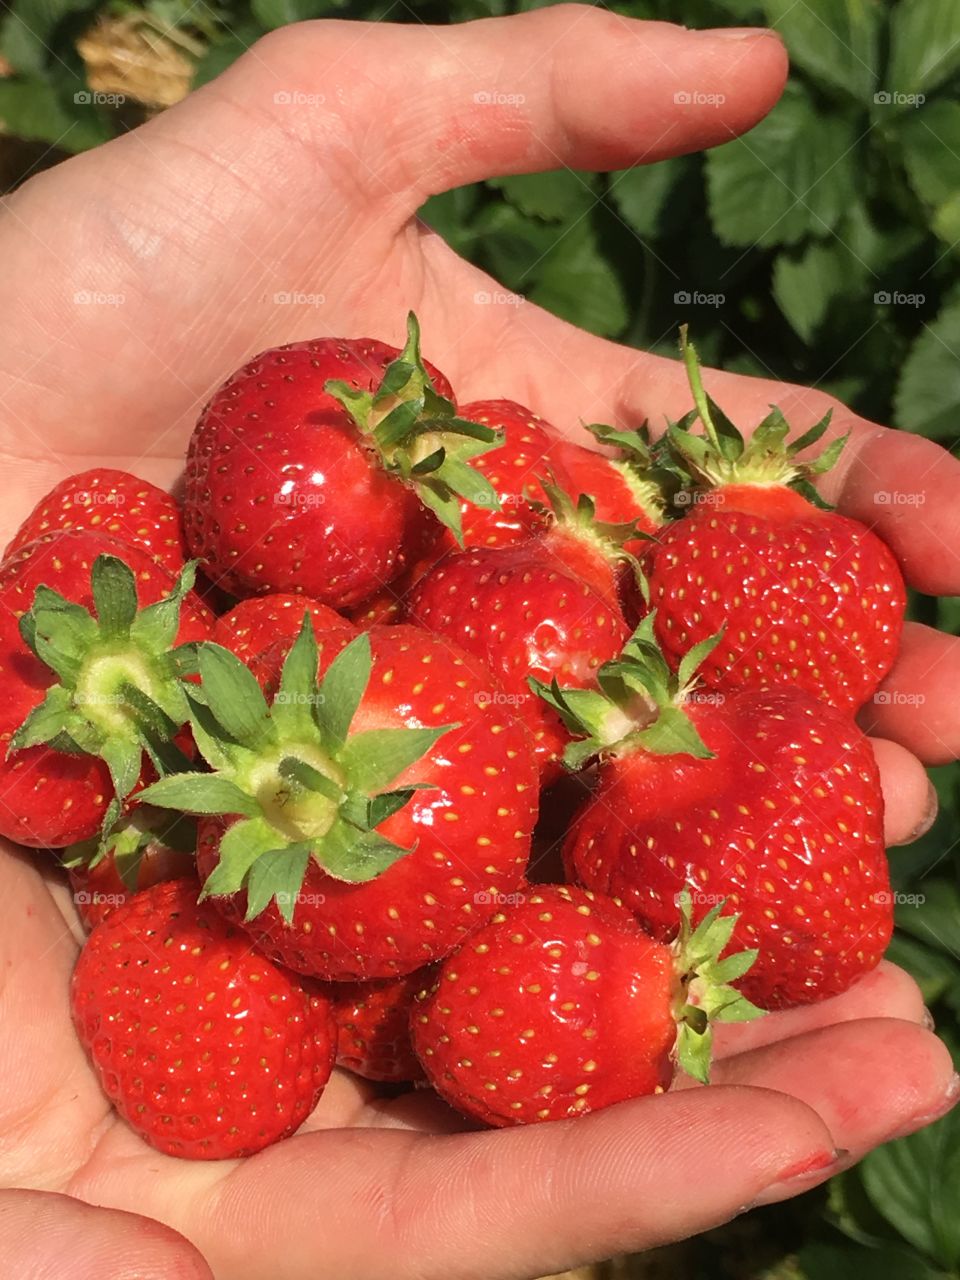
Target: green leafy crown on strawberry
[722, 456]
[643, 463]
[420, 437]
[129, 838]
[302, 785]
[119, 689]
[706, 996]
[638, 703]
[580, 519]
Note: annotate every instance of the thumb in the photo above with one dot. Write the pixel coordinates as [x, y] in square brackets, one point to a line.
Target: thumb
[565, 86]
[43, 1234]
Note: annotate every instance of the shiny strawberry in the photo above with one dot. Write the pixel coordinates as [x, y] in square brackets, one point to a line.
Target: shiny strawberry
[145, 847]
[627, 486]
[207, 1049]
[805, 597]
[562, 1005]
[547, 607]
[253, 625]
[103, 500]
[768, 800]
[90, 658]
[374, 1023]
[366, 821]
[515, 470]
[312, 468]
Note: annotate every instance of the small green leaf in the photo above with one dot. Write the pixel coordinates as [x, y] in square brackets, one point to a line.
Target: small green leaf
[241, 844]
[114, 596]
[306, 776]
[373, 759]
[200, 793]
[277, 875]
[46, 721]
[124, 759]
[342, 689]
[924, 48]
[233, 695]
[354, 856]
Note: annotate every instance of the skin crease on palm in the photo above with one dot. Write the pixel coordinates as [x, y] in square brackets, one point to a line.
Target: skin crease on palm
[194, 223]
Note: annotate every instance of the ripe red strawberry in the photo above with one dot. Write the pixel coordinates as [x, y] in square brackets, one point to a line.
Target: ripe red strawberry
[804, 597]
[309, 468]
[563, 1005]
[767, 799]
[367, 821]
[255, 624]
[546, 607]
[146, 847]
[207, 1049]
[624, 488]
[374, 1025]
[515, 469]
[88, 655]
[133, 511]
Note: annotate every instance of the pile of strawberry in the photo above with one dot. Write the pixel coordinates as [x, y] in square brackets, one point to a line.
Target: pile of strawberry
[298, 797]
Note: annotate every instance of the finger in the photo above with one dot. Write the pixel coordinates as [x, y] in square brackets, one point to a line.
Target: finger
[909, 797]
[43, 1235]
[918, 704]
[565, 86]
[516, 1203]
[886, 992]
[909, 1083]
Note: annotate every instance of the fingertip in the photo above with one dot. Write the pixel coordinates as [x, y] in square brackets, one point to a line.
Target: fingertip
[909, 797]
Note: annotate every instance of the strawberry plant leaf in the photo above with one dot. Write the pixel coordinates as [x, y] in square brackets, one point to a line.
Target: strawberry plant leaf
[124, 759]
[559, 195]
[805, 285]
[928, 393]
[930, 147]
[640, 195]
[201, 793]
[232, 694]
[576, 282]
[298, 697]
[45, 722]
[157, 625]
[835, 41]
[114, 596]
[924, 48]
[373, 759]
[797, 145]
[356, 857]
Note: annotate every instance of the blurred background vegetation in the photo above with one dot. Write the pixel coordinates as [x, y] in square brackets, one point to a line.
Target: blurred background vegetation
[823, 248]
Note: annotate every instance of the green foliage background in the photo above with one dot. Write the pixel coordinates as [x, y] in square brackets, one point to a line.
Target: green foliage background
[829, 238]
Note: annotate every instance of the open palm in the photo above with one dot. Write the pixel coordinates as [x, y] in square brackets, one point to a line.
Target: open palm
[137, 277]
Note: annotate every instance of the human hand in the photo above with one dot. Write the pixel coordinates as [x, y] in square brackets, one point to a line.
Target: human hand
[196, 222]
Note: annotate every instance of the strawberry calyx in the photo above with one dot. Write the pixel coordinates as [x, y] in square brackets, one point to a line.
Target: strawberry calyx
[303, 786]
[641, 464]
[722, 456]
[419, 436]
[119, 688]
[705, 995]
[638, 703]
[129, 838]
[604, 539]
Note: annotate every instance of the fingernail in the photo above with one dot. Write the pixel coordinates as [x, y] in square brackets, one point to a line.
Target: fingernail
[800, 1177]
[929, 815]
[737, 33]
[928, 1021]
[948, 1101]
